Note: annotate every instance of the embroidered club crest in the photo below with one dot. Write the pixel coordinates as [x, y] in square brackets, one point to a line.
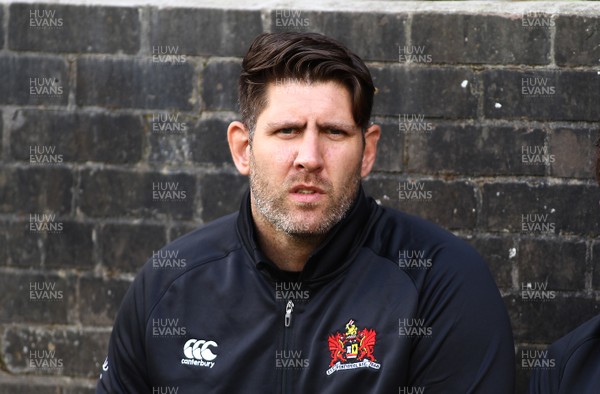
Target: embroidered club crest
[352, 349]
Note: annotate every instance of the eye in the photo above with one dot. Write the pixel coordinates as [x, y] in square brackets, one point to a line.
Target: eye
[287, 131]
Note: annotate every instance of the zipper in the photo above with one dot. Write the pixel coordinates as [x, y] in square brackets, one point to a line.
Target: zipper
[289, 308]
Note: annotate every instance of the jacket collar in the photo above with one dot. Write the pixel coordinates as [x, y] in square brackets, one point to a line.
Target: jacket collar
[330, 258]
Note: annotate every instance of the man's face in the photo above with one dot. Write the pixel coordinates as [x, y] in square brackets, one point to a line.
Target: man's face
[305, 157]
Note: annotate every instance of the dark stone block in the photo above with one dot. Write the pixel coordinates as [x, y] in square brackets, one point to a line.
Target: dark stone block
[23, 246]
[67, 352]
[36, 298]
[100, 300]
[498, 253]
[577, 41]
[29, 190]
[430, 91]
[205, 31]
[70, 248]
[221, 194]
[564, 209]
[546, 95]
[390, 148]
[126, 247]
[547, 321]
[479, 38]
[575, 153]
[219, 85]
[473, 150]
[449, 204]
[77, 29]
[78, 136]
[33, 80]
[135, 194]
[127, 83]
[560, 264]
[209, 142]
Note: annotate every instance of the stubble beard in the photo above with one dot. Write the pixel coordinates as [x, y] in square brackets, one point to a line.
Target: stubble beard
[270, 201]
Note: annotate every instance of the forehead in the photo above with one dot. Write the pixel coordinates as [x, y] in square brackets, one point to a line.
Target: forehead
[288, 99]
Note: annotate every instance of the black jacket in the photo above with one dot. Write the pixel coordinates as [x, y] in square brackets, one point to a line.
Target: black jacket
[389, 303]
[571, 364]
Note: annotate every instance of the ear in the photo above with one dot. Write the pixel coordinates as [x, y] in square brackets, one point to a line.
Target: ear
[372, 135]
[238, 138]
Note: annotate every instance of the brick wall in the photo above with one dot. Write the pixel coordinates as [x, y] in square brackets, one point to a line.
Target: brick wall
[489, 112]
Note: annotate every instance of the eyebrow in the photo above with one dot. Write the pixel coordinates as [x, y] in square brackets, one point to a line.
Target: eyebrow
[300, 125]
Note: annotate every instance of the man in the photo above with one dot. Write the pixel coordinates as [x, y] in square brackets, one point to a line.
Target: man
[302, 290]
[572, 363]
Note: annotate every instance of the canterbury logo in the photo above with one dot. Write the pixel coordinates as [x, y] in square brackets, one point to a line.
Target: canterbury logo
[198, 353]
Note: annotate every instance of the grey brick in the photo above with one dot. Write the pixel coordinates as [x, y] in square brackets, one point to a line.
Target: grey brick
[169, 136]
[575, 152]
[479, 39]
[71, 248]
[560, 264]
[2, 27]
[577, 40]
[36, 298]
[566, 207]
[26, 386]
[113, 193]
[78, 136]
[449, 204]
[29, 190]
[180, 230]
[431, 91]
[76, 29]
[473, 150]
[596, 265]
[219, 85]
[33, 80]
[126, 247]
[101, 299]
[134, 84]
[546, 95]
[390, 148]
[371, 35]
[496, 252]
[23, 246]
[204, 31]
[546, 321]
[209, 142]
[80, 353]
[221, 194]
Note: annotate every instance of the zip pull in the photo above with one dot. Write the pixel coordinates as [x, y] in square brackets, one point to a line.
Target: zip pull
[288, 313]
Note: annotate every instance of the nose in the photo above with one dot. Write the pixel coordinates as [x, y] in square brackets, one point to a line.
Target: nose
[310, 156]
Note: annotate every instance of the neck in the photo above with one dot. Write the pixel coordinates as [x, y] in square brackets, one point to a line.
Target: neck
[288, 252]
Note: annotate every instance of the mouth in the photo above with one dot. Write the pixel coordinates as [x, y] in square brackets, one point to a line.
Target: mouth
[306, 189]
[307, 194]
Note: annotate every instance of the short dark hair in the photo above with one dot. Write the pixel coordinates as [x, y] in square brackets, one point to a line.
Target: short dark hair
[309, 57]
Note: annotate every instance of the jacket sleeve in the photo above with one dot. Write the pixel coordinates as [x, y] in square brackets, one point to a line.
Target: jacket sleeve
[471, 348]
[124, 371]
